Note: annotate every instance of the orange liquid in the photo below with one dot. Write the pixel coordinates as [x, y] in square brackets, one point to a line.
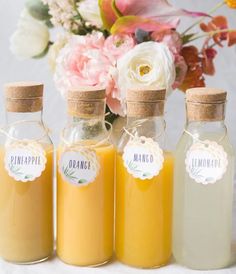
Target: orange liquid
[26, 215]
[144, 216]
[85, 215]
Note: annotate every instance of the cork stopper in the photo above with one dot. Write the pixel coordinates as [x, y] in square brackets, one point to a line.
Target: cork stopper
[86, 102]
[205, 104]
[145, 103]
[24, 97]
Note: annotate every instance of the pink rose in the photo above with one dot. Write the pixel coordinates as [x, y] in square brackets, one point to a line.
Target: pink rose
[117, 45]
[113, 93]
[181, 70]
[171, 38]
[82, 63]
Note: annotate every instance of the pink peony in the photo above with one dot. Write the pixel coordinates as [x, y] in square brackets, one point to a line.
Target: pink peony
[113, 94]
[171, 38]
[117, 45]
[181, 70]
[82, 64]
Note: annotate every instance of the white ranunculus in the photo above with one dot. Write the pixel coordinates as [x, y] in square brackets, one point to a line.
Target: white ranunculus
[89, 10]
[30, 38]
[55, 49]
[149, 65]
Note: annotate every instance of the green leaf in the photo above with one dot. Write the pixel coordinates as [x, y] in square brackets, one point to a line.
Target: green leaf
[187, 38]
[38, 10]
[78, 17]
[146, 174]
[28, 177]
[49, 24]
[82, 181]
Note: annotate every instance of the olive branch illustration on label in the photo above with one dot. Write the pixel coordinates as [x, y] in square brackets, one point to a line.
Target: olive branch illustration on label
[143, 158]
[25, 160]
[79, 166]
[17, 171]
[206, 162]
[70, 175]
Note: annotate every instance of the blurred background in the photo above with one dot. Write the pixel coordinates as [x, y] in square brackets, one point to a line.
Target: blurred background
[12, 69]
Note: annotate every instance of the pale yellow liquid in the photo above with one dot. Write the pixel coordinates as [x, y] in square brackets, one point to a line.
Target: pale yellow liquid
[203, 220]
[144, 216]
[26, 215]
[85, 215]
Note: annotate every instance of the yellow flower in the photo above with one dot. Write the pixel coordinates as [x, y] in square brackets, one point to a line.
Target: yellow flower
[231, 3]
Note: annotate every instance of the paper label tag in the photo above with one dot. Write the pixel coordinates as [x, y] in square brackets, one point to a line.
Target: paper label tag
[79, 166]
[143, 158]
[206, 162]
[25, 161]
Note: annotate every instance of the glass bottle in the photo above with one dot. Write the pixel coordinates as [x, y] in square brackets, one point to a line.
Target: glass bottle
[85, 198]
[144, 171]
[26, 178]
[203, 185]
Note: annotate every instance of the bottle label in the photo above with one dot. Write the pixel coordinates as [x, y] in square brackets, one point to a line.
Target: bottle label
[25, 161]
[206, 162]
[79, 166]
[143, 158]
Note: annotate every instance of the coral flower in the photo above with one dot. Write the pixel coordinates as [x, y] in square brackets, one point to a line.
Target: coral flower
[231, 3]
[209, 55]
[220, 23]
[194, 76]
[169, 37]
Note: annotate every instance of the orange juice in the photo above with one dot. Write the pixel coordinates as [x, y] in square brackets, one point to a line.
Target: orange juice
[26, 210]
[143, 216]
[85, 215]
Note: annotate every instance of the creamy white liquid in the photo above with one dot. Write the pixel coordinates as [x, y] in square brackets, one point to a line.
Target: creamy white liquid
[202, 232]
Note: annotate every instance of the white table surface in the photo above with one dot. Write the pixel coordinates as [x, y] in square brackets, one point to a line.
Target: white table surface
[55, 266]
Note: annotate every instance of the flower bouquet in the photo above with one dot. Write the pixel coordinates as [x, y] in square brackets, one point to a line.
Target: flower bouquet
[122, 44]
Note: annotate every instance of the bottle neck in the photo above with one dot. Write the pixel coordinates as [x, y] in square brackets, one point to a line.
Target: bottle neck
[83, 120]
[133, 121]
[87, 127]
[150, 127]
[206, 127]
[14, 117]
[26, 125]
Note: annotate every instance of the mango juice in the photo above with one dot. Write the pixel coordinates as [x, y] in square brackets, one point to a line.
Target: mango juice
[26, 215]
[144, 216]
[85, 215]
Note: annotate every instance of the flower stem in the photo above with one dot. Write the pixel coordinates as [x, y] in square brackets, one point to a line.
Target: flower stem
[210, 33]
[213, 45]
[219, 5]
